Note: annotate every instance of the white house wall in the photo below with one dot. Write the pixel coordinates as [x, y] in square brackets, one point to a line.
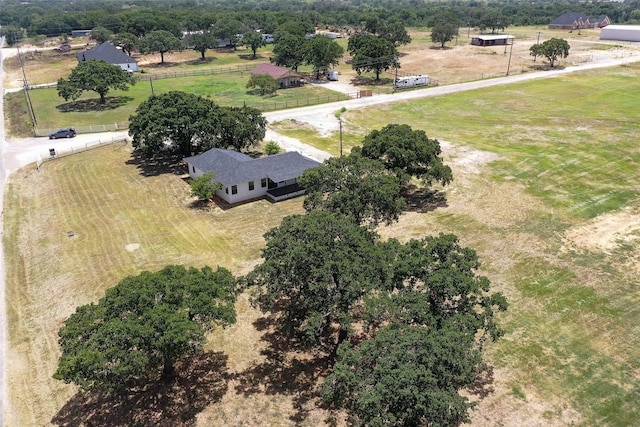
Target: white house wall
[129, 66]
[243, 192]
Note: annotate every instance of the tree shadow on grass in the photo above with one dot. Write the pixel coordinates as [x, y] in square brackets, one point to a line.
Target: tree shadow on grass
[483, 384]
[111, 103]
[290, 368]
[250, 57]
[423, 200]
[158, 165]
[200, 61]
[198, 382]
[370, 81]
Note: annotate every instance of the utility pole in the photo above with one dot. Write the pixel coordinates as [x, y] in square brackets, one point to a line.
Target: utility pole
[510, 51]
[340, 121]
[25, 87]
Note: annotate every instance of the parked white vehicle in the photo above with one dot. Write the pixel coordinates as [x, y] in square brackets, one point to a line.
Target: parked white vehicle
[412, 81]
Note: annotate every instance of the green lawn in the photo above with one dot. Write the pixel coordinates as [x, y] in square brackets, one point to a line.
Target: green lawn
[228, 89]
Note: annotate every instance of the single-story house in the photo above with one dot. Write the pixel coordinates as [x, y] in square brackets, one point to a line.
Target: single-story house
[245, 178]
[627, 33]
[491, 40]
[110, 54]
[284, 76]
[577, 20]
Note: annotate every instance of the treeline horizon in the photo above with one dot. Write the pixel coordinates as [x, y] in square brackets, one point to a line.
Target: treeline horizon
[59, 17]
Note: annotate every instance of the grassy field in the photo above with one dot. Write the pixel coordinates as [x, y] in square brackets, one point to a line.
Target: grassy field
[225, 88]
[545, 189]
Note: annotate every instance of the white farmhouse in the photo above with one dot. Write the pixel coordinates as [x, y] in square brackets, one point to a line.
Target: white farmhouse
[245, 178]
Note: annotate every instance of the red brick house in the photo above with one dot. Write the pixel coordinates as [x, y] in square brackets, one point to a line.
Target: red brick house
[284, 76]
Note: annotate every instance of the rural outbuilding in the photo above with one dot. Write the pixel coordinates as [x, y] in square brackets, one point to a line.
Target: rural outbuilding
[491, 40]
[110, 54]
[245, 178]
[627, 33]
[284, 76]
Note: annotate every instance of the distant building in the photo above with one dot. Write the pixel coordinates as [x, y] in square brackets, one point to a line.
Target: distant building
[627, 33]
[80, 33]
[491, 40]
[110, 54]
[577, 20]
[284, 76]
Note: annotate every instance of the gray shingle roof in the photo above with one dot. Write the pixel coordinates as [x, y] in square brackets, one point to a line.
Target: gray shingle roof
[105, 52]
[232, 168]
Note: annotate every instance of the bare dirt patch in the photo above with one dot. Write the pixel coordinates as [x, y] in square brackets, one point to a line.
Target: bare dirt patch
[605, 232]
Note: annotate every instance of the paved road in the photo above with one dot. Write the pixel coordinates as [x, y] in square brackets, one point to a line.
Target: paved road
[20, 152]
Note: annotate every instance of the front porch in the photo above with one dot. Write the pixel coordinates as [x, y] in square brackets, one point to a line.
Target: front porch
[283, 193]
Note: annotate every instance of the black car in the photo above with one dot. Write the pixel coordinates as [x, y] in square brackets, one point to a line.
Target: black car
[63, 133]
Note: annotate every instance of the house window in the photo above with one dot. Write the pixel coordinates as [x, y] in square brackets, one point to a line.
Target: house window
[226, 190]
[251, 186]
[234, 189]
[263, 182]
[193, 168]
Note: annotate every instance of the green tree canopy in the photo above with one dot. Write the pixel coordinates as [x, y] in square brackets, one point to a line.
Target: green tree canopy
[177, 122]
[201, 42]
[428, 327]
[229, 29]
[289, 50]
[100, 34]
[160, 41]
[408, 153]
[240, 128]
[405, 376]
[354, 186]
[372, 53]
[316, 269]
[434, 280]
[271, 148]
[265, 84]
[254, 41]
[94, 76]
[551, 49]
[187, 124]
[395, 32]
[143, 326]
[12, 34]
[126, 41]
[205, 186]
[443, 32]
[321, 52]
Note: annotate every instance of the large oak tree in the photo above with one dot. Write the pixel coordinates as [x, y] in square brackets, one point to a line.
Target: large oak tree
[186, 124]
[143, 326]
[321, 52]
[175, 121]
[316, 269]
[372, 53]
[407, 153]
[160, 41]
[354, 186]
[95, 76]
[429, 326]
